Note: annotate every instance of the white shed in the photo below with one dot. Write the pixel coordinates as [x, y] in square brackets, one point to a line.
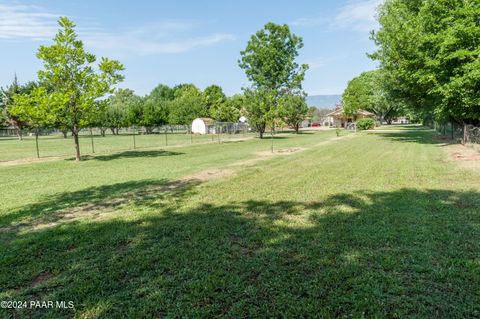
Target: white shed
[202, 125]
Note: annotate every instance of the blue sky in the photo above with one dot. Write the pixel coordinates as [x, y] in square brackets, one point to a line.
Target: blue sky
[192, 41]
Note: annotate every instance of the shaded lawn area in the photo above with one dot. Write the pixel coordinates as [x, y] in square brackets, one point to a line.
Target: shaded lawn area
[369, 226]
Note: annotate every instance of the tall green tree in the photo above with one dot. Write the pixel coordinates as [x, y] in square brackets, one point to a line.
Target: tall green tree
[269, 63]
[69, 78]
[437, 73]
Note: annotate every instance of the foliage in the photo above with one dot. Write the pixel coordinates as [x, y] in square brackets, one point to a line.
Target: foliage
[437, 73]
[259, 108]
[269, 59]
[189, 104]
[69, 79]
[115, 113]
[367, 92]
[293, 110]
[8, 97]
[365, 123]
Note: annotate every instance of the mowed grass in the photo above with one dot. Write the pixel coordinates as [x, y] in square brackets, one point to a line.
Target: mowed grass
[11, 148]
[370, 225]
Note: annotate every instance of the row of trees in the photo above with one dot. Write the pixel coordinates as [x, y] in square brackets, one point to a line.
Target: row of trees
[72, 92]
[428, 52]
[180, 104]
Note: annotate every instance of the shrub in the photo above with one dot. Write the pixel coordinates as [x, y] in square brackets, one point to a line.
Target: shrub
[365, 124]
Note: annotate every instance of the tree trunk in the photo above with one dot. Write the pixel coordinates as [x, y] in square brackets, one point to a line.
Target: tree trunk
[77, 144]
[261, 130]
[102, 131]
[116, 131]
[19, 133]
[113, 130]
[64, 134]
[297, 128]
[36, 142]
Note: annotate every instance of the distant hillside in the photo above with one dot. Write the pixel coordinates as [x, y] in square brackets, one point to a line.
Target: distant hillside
[323, 101]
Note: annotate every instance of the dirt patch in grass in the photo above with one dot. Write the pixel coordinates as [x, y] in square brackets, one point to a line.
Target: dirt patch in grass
[29, 161]
[40, 279]
[208, 175]
[465, 156]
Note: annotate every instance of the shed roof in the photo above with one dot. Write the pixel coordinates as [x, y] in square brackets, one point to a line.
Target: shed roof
[207, 120]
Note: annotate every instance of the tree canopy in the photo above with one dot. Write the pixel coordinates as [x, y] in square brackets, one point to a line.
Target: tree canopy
[430, 49]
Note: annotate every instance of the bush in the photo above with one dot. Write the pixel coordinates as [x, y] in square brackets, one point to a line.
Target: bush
[365, 124]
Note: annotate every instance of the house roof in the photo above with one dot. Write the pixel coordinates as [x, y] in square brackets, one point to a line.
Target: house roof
[340, 112]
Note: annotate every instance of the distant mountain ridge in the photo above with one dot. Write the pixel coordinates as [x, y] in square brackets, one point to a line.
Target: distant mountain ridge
[324, 101]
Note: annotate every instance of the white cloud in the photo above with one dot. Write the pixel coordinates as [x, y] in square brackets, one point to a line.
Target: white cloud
[26, 22]
[159, 39]
[358, 15]
[309, 22]
[320, 62]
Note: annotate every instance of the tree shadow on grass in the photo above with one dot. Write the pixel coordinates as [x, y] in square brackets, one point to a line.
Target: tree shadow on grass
[406, 253]
[414, 136]
[71, 205]
[128, 154]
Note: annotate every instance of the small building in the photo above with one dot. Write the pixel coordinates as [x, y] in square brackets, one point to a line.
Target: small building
[203, 125]
[340, 119]
[243, 119]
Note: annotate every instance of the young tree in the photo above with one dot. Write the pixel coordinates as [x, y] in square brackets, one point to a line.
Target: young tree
[269, 63]
[7, 100]
[70, 79]
[293, 110]
[114, 114]
[34, 109]
[258, 106]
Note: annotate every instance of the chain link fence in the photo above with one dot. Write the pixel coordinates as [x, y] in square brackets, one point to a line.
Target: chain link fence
[100, 140]
[466, 134]
[471, 134]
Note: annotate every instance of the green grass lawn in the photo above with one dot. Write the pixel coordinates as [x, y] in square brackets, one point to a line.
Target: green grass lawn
[370, 225]
[12, 148]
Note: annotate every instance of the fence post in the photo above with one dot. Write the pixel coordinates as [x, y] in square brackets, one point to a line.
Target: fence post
[166, 138]
[91, 138]
[271, 139]
[134, 142]
[36, 142]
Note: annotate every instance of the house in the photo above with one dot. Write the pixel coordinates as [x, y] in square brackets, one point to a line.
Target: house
[340, 119]
[326, 120]
[203, 125]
